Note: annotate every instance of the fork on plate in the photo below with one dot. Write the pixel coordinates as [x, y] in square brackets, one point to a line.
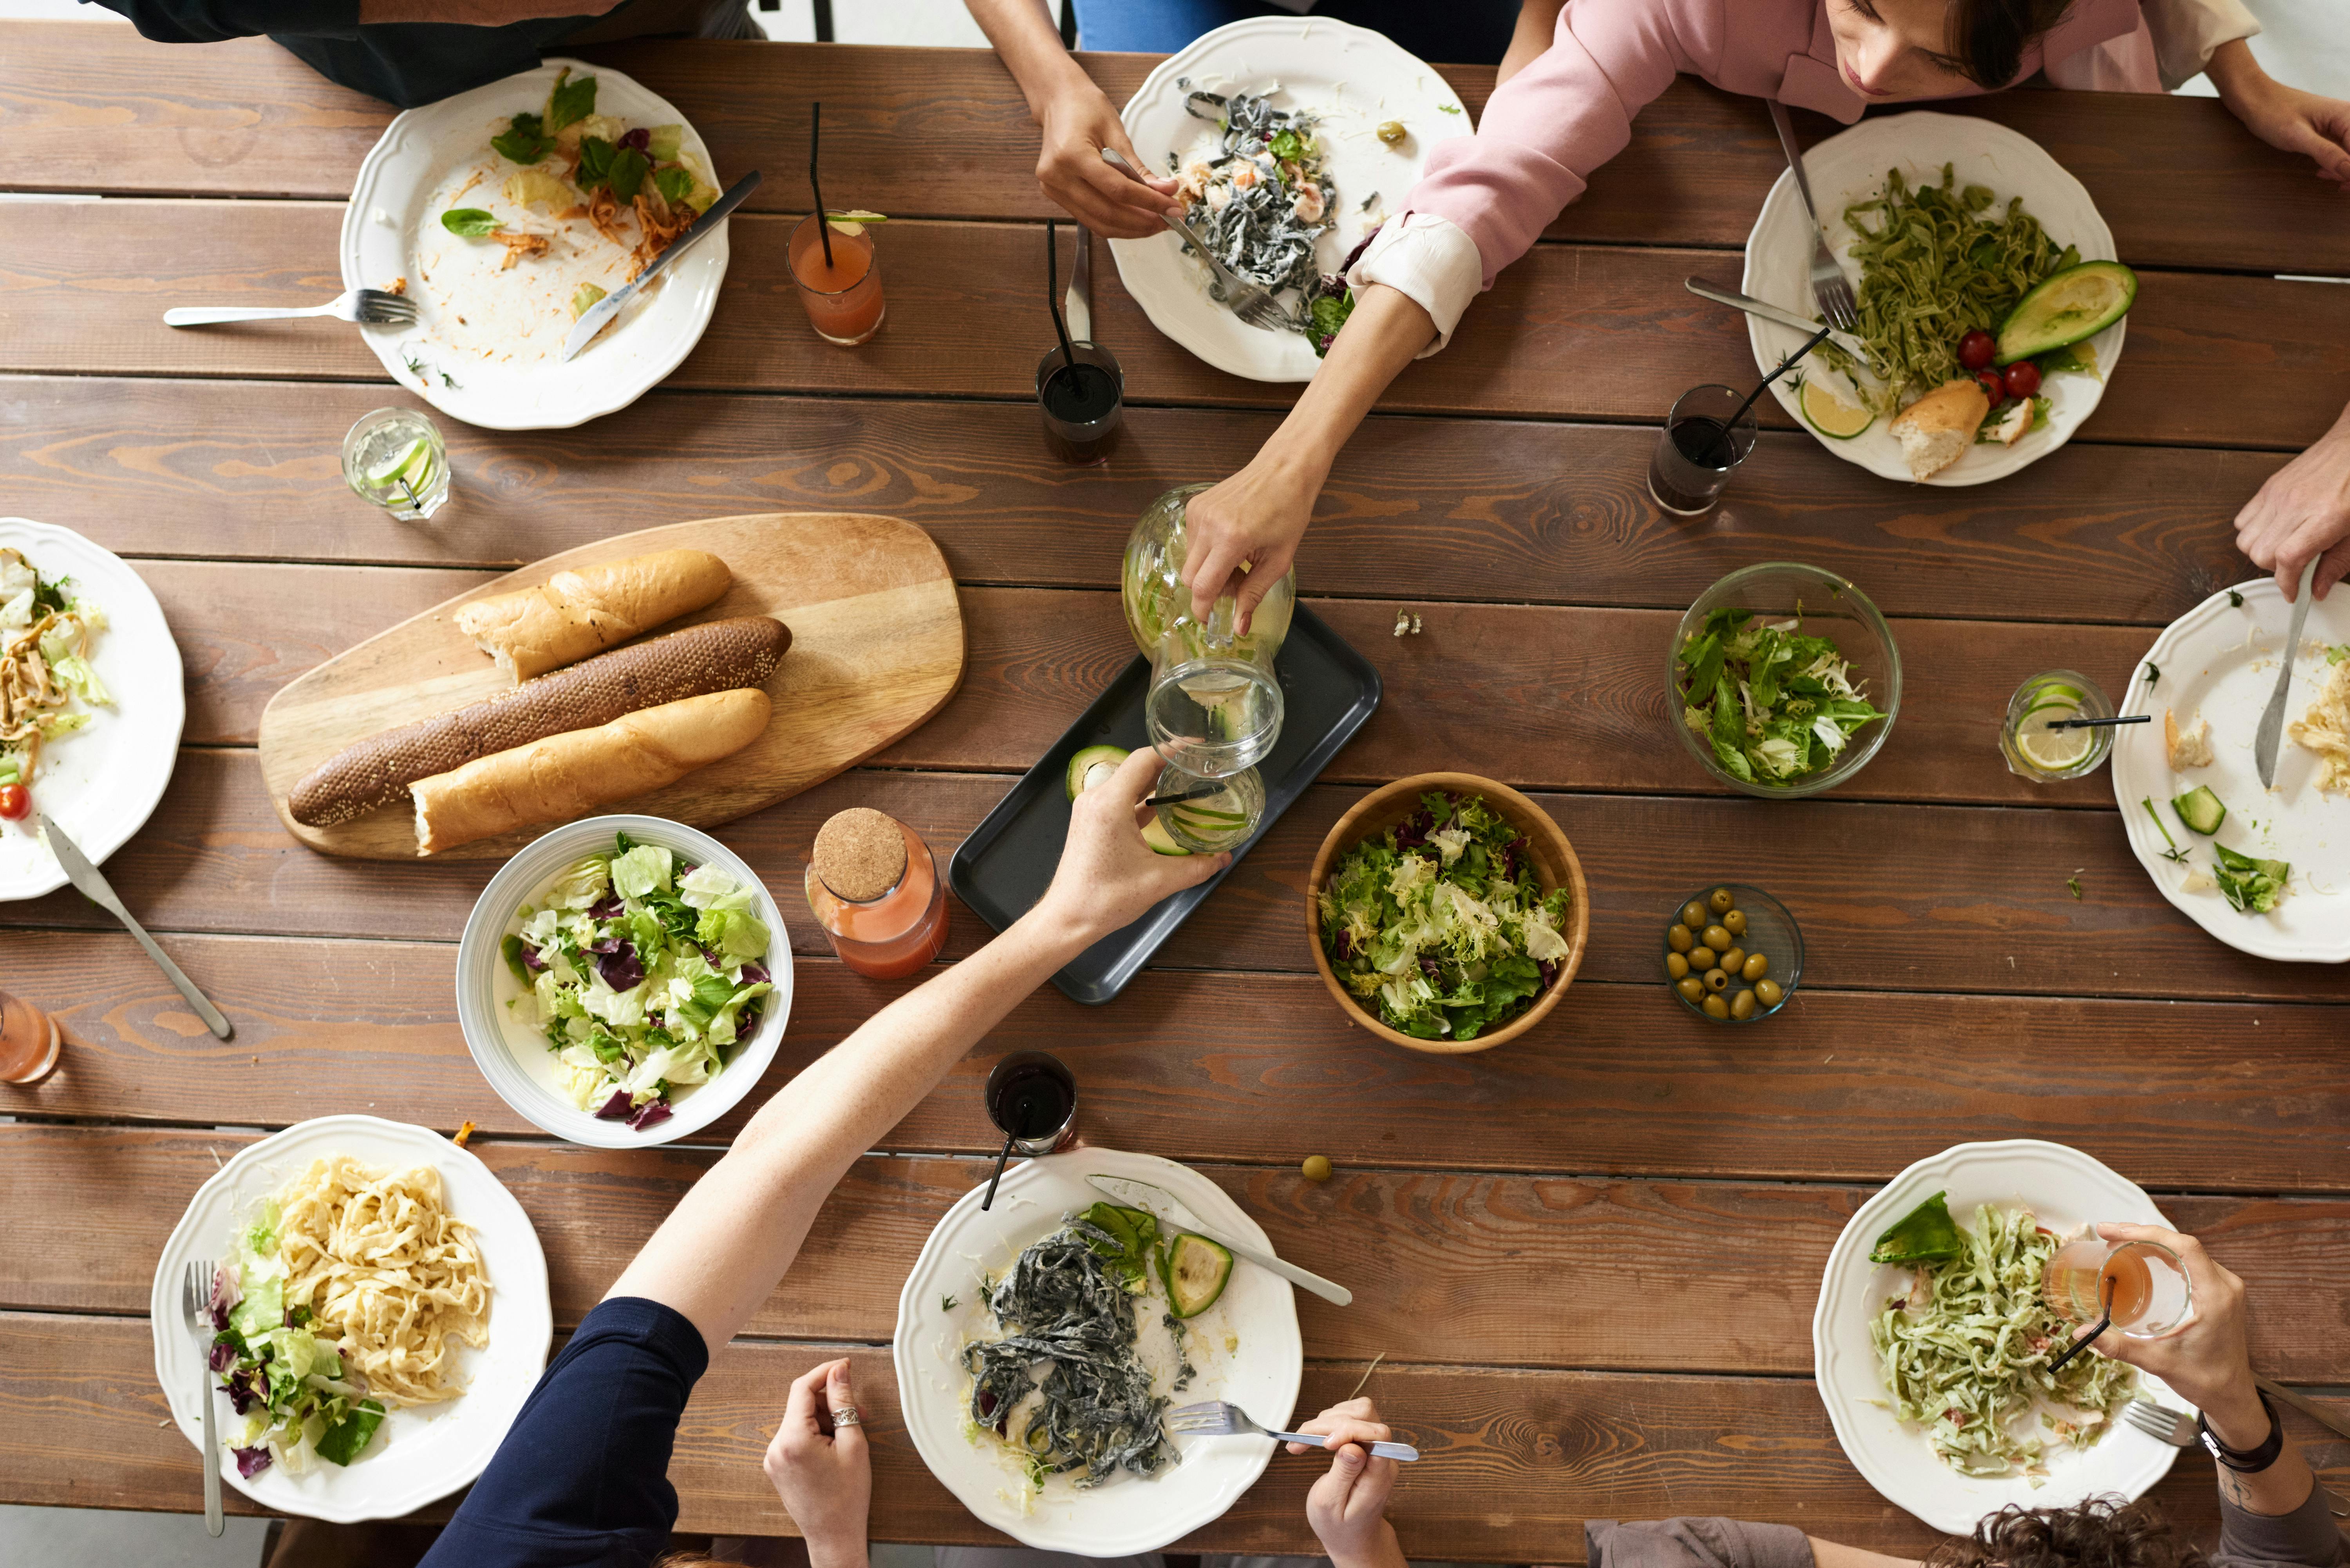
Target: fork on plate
[1217, 1420]
[1252, 302]
[368, 306]
[1829, 286]
[196, 1302]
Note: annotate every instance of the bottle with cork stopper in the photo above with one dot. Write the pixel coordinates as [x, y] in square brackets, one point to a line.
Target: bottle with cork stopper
[874, 888]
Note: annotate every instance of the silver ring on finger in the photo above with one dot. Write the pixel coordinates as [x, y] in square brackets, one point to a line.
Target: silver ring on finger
[846, 1416]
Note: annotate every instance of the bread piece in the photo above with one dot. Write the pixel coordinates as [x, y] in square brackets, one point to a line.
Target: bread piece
[716, 656]
[1935, 431]
[578, 613]
[568, 776]
[2186, 748]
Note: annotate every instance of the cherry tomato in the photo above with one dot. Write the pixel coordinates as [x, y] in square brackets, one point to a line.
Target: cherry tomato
[2023, 379]
[15, 801]
[1994, 388]
[1976, 350]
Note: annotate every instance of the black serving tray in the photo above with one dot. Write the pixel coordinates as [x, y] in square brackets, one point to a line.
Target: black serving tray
[1327, 691]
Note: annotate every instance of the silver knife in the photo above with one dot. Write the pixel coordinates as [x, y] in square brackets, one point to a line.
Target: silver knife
[1170, 1209]
[599, 315]
[1078, 306]
[84, 876]
[2272, 733]
[2317, 1413]
[1752, 306]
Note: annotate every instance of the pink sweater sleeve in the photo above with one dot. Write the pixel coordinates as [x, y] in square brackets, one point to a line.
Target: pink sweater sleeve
[1571, 111]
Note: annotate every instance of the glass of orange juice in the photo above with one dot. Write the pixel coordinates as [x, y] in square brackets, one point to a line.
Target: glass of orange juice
[842, 294]
[2148, 1284]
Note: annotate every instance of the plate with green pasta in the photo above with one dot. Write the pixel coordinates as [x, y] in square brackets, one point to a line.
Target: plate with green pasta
[1933, 1367]
[1943, 223]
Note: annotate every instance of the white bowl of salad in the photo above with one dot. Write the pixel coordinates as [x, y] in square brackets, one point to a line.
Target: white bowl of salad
[624, 980]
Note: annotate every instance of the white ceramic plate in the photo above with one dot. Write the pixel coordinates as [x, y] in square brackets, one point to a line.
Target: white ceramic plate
[2066, 1190]
[2220, 661]
[101, 784]
[419, 1454]
[1850, 167]
[514, 1056]
[1129, 1514]
[1355, 79]
[392, 228]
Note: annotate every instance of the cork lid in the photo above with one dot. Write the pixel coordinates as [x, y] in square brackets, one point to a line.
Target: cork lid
[860, 853]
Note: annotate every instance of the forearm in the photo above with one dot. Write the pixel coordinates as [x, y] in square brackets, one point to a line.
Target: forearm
[2238, 1419]
[2236, 74]
[1537, 25]
[1031, 49]
[1383, 1551]
[1836, 1554]
[1386, 330]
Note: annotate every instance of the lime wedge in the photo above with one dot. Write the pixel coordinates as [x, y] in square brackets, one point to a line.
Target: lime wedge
[1831, 415]
[410, 464]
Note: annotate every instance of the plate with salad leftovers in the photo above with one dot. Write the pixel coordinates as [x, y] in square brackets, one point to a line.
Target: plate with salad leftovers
[1992, 306]
[379, 1315]
[1040, 1341]
[1932, 1365]
[2267, 871]
[624, 980]
[91, 700]
[506, 212]
[1291, 139]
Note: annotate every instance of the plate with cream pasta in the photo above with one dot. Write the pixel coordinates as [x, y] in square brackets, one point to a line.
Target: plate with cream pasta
[378, 1314]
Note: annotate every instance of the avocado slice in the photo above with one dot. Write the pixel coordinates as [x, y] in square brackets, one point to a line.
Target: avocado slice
[1196, 1271]
[1154, 834]
[1082, 777]
[2076, 303]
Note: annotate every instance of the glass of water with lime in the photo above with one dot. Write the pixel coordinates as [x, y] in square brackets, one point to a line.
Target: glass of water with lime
[393, 458]
[2037, 750]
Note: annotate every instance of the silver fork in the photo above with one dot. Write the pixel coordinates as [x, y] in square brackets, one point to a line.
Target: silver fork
[196, 1300]
[1252, 302]
[1218, 1419]
[1829, 286]
[368, 306]
[2161, 1421]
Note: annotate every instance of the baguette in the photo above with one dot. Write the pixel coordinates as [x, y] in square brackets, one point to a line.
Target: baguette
[1935, 431]
[568, 775]
[576, 613]
[716, 656]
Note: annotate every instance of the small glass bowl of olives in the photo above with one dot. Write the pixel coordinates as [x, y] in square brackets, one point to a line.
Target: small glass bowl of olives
[1733, 953]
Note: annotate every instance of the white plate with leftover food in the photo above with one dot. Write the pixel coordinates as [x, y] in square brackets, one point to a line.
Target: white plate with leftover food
[1334, 86]
[469, 1235]
[495, 302]
[2217, 665]
[1244, 1348]
[103, 765]
[2062, 1190]
[664, 964]
[1850, 168]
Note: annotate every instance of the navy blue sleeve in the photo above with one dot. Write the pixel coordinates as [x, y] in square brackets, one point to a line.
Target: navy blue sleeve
[210, 21]
[582, 1477]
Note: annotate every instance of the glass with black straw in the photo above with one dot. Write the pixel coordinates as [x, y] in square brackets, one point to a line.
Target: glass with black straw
[1709, 432]
[833, 263]
[1032, 1099]
[1079, 388]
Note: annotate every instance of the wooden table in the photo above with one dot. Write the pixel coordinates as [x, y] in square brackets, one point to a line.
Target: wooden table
[1590, 1257]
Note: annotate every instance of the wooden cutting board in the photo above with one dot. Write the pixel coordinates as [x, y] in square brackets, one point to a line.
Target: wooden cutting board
[877, 649]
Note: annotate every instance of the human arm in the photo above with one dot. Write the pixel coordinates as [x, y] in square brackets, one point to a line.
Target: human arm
[1348, 1505]
[2303, 510]
[734, 1233]
[1077, 120]
[822, 1471]
[2284, 117]
[1537, 24]
[212, 21]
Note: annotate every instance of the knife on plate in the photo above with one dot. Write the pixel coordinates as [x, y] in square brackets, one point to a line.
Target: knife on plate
[2271, 731]
[94, 887]
[599, 315]
[1772, 313]
[1169, 1211]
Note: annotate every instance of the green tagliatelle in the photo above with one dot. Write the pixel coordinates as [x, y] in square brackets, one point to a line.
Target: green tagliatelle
[1971, 1363]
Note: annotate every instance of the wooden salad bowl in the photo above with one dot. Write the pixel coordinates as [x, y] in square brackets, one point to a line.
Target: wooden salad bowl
[1555, 864]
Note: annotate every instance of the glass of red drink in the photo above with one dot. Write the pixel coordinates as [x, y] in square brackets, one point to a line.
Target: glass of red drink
[2146, 1282]
[842, 294]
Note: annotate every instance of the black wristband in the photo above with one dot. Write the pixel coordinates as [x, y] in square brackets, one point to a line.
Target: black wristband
[2246, 1462]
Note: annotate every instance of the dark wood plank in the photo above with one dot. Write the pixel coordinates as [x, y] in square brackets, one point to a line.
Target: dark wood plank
[1560, 512]
[87, 288]
[1264, 1069]
[942, 133]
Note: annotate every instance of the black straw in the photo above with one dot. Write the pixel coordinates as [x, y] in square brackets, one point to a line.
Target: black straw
[992, 1180]
[2082, 1344]
[1197, 792]
[1053, 293]
[1784, 365]
[823, 218]
[2100, 723]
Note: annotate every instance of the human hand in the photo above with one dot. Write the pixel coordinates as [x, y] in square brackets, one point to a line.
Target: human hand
[2303, 510]
[1240, 537]
[1079, 122]
[1108, 875]
[821, 1470]
[2208, 1359]
[1347, 1506]
[2295, 121]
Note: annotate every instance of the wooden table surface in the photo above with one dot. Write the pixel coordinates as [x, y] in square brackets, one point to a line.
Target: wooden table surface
[1590, 1257]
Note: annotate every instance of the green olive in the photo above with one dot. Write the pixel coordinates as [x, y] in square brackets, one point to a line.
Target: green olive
[1676, 965]
[1692, 988]
[1732, 960]
[1718, 940]
[1716, 1008]
[1755, 967]
[1742, 1006]
[1316, 1167]
[1717, 979]
[1734, 922]
[1693, 914]
[1720, 901]
[1391, 131]
[1768, 993]
[1681, 938]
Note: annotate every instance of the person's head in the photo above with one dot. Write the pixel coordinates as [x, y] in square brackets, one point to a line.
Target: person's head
[1890, 50]
[2103, 1533]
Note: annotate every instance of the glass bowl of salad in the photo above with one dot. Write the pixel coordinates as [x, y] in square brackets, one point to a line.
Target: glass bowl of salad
[624, 980]
[1446, 913]
[1782, 679]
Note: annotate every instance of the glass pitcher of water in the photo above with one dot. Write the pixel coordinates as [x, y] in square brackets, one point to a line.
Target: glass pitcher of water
[1215, 706]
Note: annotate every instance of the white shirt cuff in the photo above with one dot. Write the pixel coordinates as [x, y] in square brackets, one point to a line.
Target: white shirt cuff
[1431, 261]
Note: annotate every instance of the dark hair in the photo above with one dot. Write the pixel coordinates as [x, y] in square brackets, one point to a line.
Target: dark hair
[1987, 38]
[2103, 1533]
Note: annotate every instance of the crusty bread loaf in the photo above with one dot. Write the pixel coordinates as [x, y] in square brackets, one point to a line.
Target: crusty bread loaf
[1935, 431]
[575, 614]
[570, 774]
[716, 656]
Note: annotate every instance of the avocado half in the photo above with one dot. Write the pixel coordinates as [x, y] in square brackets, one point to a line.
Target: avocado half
[2079, 302]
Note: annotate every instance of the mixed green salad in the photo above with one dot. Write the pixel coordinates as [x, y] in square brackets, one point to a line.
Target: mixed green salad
[296, 1398]
[1441, 925]
[1774, 703]
[643, 974]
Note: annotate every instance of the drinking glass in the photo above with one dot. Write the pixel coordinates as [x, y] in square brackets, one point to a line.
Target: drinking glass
[393, 459]
[29, 1042]
[1214, 704]
[2035, 752]
[1698, 449]
[1211, 823]
[843, 298]
[2151, 1293]
[1032, 1099]
[1083, 402]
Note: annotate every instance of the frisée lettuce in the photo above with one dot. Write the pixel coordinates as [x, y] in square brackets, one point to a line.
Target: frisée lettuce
[298, 1401]
[1774, 703]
